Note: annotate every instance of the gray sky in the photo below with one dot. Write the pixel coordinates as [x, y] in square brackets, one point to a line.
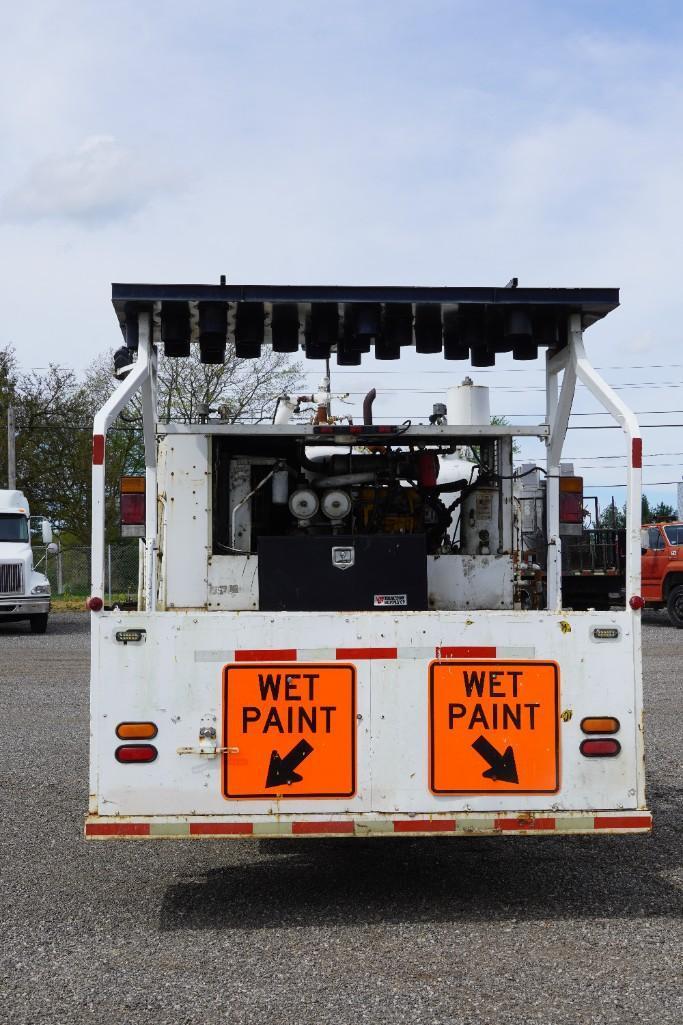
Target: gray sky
[378, 141]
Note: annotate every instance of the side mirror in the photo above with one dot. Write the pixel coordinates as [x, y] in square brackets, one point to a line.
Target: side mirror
[52, 548]
[47, 532]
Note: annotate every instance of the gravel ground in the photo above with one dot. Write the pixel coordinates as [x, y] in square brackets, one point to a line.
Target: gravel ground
[527, 930]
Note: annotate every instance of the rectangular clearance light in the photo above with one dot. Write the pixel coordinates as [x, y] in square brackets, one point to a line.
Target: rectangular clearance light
[130, 636]
[600, 724]
[605, 633]
[136, 731]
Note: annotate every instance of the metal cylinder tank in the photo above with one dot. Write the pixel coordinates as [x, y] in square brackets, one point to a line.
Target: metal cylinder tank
[468, 404]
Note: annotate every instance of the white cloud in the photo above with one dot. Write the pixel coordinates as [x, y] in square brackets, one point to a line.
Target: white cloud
[100, 181]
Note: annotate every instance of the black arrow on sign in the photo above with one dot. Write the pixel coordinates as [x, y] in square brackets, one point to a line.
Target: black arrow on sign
[282, 770]
[503, 766]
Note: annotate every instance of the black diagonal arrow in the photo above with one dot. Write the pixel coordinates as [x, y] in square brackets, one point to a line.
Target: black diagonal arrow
[503, 766]
[282, 770]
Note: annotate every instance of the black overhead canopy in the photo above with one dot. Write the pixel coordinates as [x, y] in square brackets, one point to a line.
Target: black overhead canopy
[462, 323]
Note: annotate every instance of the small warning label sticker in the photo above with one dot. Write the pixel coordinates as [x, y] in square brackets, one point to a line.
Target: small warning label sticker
[391, 600]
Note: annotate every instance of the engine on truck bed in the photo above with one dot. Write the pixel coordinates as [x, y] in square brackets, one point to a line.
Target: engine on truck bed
[340, 527]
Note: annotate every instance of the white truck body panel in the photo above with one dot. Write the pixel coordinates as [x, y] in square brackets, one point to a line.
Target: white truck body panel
[174, 678]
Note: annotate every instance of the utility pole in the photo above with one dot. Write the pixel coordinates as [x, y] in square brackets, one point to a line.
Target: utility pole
[11, 450]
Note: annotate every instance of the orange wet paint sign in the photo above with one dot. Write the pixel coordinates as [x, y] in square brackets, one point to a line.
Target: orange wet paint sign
[291, 728]
[493, 727]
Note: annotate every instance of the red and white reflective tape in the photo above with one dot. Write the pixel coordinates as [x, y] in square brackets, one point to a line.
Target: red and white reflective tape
[363, 654]
[97, 828]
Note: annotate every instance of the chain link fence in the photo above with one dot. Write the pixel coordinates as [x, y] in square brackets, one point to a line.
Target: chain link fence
[68, 570]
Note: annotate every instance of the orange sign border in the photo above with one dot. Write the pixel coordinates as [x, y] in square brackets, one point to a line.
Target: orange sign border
[277, 797]
[493, 661]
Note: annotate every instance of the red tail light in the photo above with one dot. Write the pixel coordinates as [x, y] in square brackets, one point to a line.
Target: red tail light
[133, 509]
[603, 748]
[135, 753]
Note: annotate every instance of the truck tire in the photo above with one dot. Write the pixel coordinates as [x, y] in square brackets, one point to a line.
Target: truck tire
[674, 605]
[39, 623]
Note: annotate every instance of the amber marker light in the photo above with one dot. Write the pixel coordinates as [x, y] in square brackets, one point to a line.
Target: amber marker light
[605, 747]
[136, 731]
[132, 753]
[600, 724]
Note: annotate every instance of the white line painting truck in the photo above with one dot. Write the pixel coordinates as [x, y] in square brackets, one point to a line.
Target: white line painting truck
[24, 591]
[331, 638]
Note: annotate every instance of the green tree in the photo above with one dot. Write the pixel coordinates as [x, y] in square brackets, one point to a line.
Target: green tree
[663, 513]
[237, 389]
[613, 516]
[8, 396]
[54, 416]
[54, 413]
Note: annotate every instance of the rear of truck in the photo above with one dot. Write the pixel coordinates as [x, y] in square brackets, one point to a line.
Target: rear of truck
[336, 633]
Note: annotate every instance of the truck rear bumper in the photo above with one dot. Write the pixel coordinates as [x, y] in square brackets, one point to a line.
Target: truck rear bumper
[185, 827]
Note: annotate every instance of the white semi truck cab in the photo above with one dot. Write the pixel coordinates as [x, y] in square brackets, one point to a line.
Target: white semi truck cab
[24, 592]
[339, 629]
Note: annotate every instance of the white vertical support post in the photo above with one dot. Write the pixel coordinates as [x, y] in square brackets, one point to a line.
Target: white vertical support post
[634, 473]
[506, 515]
[629, 424]
[558, 405]
[149, 416]
[552, 497]
[103, 420]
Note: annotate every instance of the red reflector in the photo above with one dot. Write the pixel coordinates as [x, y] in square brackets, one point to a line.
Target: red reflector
[603, 748]
[94, 604]
[636, 602]
[322, 827]
[385, 429]
[98, 449]
[117, 829]
[135, 753]
[363, 653]
[424, 825]
[356, 429]
[266, 655]
[465, 652]
[637, 453]
[622, 822]
[133, 509]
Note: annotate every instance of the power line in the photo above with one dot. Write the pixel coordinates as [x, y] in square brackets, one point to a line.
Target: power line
[494, 370]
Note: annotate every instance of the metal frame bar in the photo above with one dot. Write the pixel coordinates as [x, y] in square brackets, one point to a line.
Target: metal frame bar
[142, 378]
[428, 435]
[575, 364]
